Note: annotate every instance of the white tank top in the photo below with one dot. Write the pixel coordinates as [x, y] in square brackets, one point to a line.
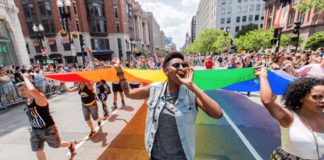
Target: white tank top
[299, 140]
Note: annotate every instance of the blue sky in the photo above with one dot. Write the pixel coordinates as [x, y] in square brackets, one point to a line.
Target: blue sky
[174, 16]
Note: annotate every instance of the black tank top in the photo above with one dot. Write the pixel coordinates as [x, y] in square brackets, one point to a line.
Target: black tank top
[87, 95]
[39, 117]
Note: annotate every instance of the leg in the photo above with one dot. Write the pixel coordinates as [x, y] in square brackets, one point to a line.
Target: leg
[94, 113]
[122, 98]
[86, 114]
[41, 155]
[115, 100]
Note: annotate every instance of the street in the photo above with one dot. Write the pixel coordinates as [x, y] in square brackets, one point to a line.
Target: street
[246, 132]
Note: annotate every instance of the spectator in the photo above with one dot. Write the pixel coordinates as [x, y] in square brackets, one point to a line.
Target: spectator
[209, 64]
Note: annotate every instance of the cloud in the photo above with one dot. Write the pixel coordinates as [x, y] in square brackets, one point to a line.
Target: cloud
[174, 20]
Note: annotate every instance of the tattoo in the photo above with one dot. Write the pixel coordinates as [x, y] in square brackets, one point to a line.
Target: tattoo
[124, 86]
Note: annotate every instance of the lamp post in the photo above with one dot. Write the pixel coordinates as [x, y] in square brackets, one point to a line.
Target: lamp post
[226, 32]
[39, 32]
[65, 17]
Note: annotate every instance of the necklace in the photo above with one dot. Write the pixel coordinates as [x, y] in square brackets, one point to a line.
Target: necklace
[308, 126]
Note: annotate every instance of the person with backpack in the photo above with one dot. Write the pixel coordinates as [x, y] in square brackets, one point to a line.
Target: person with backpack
[103, 90]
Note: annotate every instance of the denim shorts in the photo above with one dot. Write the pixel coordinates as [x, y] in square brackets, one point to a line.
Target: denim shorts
[39, 136]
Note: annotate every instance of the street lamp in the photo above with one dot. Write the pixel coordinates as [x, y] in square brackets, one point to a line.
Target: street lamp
[39, 34]
[226, 32]
[66, 16]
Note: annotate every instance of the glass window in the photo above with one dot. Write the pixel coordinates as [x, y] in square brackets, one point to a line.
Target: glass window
[53, 47]
[244, 19]
[222, 20]
[98, 26]
[38, 49]
[262, 17]
[237, 28]
[115, 1]
[239, 1]
[223, 11]
[45, 8]
[228, 20]
[67, 46]
[291, 17]
[29, 10]
[258, 7]
[256, 18]
[100, 44]
[117, 27]
[245, 0]
[261, 25]
[48, 26]
[251, 8]
[116, 12]
[250, 18]
[245, 9]
[238, 19]
[223, 2]
[95, 9]
[239, 9]
[229, 10]
[301, 17]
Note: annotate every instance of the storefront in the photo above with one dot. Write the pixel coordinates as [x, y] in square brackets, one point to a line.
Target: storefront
[7, 53]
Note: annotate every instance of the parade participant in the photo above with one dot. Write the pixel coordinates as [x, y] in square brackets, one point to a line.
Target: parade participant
[89, 103]
[172, 109]
[301, 121]
[312, 70]
[117, 89]
[209, 64]
[103, 90]
[43, 128]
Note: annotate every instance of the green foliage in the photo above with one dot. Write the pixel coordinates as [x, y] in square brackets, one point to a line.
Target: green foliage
[306, 5]
[285, 40]
[315, 41]
[254, 40]
[246, 29]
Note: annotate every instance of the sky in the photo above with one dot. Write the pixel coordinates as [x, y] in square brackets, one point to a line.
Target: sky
[174, 16]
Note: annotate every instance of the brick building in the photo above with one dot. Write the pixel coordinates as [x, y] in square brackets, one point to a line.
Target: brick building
[312, 21]
[108, 28]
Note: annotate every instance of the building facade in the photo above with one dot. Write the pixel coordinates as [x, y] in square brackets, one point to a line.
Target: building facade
[311, 22]
[193, 29]
[12, 44]
[154, 34]
[231, 14]
[109, 28]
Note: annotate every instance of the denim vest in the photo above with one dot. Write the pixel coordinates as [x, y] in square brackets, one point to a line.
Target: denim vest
[185, 114]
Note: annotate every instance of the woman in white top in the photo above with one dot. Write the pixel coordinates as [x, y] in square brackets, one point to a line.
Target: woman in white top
[301, 121]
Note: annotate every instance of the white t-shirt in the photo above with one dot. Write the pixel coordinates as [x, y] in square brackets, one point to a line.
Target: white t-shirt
[312, 70]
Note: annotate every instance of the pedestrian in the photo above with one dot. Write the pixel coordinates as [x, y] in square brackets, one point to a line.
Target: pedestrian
[43, 128]
[209, 64]
[172, 109]
[117, 89]
[89, 104]
[301, 120]
[103, 90]
[312, 70]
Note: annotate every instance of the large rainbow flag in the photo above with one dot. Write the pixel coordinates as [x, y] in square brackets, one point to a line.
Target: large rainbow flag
[242, 80]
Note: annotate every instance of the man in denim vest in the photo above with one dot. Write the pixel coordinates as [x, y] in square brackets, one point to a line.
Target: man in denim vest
[172, 109]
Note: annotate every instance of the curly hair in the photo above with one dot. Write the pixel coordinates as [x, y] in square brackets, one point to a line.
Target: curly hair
[297, 90]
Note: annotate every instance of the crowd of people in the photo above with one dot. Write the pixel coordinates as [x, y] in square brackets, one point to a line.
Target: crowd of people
[173, 105]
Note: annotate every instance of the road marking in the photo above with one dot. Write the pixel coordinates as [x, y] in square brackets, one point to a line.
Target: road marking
[243, 138]
[96, 129]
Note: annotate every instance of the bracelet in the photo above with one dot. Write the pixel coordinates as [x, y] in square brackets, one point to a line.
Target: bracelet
[120, 73]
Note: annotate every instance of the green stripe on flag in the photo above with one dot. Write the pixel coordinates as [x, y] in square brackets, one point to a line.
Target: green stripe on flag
[216, 79]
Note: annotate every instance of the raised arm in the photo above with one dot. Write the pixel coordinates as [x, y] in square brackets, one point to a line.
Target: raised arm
[283, 115]
[39, 97]
[138, 93]
[73, 89]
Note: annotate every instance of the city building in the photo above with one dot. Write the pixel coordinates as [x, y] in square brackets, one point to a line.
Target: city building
[311, 22]
[154, 33]
[109, 28]
[187, 41]
[12, 44]
[231, 14]
[193, 29]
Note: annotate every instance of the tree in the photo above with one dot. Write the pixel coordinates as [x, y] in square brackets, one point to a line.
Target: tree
[246, 29]
[306, 5]
[254, 40]
[315, 41]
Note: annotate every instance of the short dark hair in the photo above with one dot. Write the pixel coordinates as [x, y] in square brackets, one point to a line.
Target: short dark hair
[297, 90]
[171, 56]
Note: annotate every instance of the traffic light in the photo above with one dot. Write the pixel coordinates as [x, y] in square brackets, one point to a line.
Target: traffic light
[81, 41]
[297, 27]
[276, 35]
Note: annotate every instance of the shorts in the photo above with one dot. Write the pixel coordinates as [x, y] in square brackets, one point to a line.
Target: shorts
[39, 136]
[102, 96]
[93, 110]
[134, 85]
[117, 88]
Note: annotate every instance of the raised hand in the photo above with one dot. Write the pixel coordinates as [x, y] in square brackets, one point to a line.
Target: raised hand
[187, 79]
[116, 63]
[261, 72]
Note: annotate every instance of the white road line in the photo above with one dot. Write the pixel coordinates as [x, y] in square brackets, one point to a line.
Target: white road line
[96, 129]
[243, 138]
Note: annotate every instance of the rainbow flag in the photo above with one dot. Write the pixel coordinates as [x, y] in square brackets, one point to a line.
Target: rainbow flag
[234, 79]
[157, 58]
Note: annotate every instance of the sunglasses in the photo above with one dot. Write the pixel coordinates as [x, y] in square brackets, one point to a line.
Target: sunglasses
[177, 65]
[318, 97]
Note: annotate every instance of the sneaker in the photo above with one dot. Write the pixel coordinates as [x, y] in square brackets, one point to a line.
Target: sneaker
[92, 133]
[114, 107]
[72, 148]
[99, 123]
